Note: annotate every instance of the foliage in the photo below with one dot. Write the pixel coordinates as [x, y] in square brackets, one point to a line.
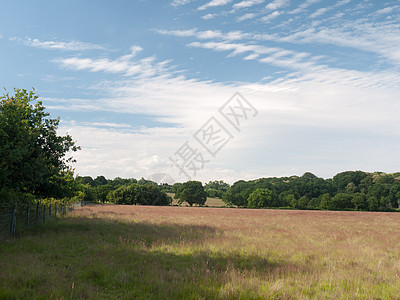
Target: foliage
[216, 188]
[32, 156]
[261, 198]
[350, 190]
[191, 192]
[135, 193]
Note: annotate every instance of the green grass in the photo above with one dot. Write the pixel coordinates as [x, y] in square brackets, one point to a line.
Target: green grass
[110, 251]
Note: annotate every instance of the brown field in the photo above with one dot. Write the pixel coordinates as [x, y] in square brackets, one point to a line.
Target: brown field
[301, 253]
[211, 202]
[152, 252]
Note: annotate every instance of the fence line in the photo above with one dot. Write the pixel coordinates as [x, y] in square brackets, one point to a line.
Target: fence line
[22, 215]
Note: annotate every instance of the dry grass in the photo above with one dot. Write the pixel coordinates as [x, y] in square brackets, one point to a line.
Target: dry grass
[182, 252]
[211, 202]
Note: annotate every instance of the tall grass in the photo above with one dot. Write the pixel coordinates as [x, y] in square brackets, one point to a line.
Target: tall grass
[109, 251]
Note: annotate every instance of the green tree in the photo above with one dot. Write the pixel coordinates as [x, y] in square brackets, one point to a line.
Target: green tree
[303, 202]
[32, 155]
[341, 201]
[191, 192]
[325, 201]
[216, 189]
[260, 198]
[359, 201]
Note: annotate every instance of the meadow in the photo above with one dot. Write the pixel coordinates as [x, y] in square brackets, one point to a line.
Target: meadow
[146, 252]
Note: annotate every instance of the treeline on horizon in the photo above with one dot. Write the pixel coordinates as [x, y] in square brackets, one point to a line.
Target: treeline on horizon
[350, 190]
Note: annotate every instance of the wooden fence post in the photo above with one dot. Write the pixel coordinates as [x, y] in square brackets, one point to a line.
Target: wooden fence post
[14, 220]
[28, 214]
[37, 212]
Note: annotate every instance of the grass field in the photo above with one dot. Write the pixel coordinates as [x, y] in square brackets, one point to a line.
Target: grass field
[211, 202]
[139, 252]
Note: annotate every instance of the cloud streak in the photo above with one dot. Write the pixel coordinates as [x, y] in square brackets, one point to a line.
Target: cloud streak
[214, 3]
[57, 45]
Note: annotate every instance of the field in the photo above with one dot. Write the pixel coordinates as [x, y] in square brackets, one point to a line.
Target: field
[139, 252]
[211, 202]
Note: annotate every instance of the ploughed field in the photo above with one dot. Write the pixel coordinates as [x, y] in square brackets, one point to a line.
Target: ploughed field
[145, 252]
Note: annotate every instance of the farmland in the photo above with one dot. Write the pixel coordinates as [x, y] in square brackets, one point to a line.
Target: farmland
[112, 251]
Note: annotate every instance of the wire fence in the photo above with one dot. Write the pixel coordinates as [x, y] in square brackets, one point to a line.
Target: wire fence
[14, 218]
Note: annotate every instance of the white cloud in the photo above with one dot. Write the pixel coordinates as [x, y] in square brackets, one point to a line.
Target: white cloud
[275, 4]
[181, 33]
[302, 7]
[176, 3]
[209, 16]
[324, 122]
[379, 38]
[123, 65]
[387, 10]
[207, 34]
[214, 3]
[271, 16]
[319, 12]
[246, 17]
[247, 3]
[56, 45]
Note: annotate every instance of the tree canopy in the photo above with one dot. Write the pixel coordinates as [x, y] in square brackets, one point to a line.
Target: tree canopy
[191, 192]
[32, 155]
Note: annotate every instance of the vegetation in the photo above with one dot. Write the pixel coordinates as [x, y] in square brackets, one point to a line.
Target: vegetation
[32, 156]
[191, 192]
[142, 252]
[135, 193]
[350, 190]
[216, 188]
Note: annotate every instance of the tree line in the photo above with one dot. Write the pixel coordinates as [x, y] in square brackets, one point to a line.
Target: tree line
[350, 190]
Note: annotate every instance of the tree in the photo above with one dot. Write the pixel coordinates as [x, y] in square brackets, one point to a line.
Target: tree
[238, 193]
[341, 201]
[359, 201]
[32, 155]
[260, 198]
[325, 201]
[216, 189]
[100, 180]
[191, 192]
[303, 202]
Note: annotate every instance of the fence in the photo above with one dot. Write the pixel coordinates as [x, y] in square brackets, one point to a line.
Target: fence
[19, 216]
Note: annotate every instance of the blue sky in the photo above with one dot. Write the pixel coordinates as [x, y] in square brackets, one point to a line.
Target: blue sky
[133, 81]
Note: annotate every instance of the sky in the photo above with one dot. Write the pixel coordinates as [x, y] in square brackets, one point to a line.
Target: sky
[214, 89]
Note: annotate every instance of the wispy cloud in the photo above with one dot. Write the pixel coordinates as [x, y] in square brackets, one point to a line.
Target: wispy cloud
[123, 65]
[214, 3]
[271, 16]
[277, 4]
[302, 7]
[338, 102]
[57, 45]
[379, 38]
[246, 17]
[247, 3]
[182, 33]
[209, 16]
[176, 3]
[387, 10]
[206, 34]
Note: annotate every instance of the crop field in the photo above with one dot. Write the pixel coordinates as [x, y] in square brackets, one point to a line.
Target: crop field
[146, 252]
